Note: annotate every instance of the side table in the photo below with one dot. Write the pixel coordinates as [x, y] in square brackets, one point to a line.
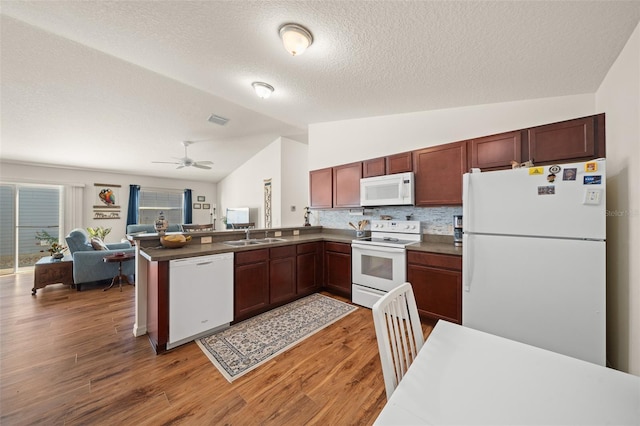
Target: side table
[119, 257]
[52, 271]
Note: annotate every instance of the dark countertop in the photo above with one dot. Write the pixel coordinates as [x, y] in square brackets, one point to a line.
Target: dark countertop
[432, 244]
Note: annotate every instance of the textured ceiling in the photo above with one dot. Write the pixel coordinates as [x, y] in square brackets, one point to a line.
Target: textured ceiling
[137, 77]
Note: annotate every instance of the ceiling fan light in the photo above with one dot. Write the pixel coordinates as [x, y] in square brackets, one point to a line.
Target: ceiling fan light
[295, 38]
[263, 90]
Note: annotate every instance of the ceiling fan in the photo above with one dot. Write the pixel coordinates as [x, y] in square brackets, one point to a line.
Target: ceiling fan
[186, 161]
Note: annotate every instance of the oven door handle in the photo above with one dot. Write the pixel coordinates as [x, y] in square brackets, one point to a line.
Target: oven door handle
[377, 248]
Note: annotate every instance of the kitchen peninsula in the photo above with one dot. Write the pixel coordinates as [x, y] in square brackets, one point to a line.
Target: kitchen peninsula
[292, 258]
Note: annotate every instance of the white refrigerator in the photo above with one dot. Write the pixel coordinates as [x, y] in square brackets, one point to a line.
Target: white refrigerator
[534, 256]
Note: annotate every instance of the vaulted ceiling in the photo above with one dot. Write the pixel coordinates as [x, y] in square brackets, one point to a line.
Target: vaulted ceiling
[116, 85]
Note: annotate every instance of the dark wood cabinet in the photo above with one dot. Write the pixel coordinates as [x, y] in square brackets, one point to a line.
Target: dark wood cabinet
[375, 167]
[282, 274]
[308, 268]
[573, 140]
[321, 188]
[496, 151]
[389, 165]
[337, 268]
[346, 185]
[438, 174]
[437, 284]
[251, 283]
[399, 163]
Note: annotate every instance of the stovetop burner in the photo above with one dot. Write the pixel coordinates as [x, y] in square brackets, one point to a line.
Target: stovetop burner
[389, 233]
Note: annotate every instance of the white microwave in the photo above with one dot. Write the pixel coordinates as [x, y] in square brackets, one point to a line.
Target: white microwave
[388, 190]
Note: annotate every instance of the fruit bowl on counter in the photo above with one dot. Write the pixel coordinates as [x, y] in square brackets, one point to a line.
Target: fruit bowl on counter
[174, 240]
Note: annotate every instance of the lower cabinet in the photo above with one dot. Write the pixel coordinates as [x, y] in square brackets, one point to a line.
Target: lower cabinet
[437, 284]
[251, 283]
[308, 268]
[282, 274]
[337, 268]
[269, 277]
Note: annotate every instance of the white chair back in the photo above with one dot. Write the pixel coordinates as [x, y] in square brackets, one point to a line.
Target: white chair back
[399, 333]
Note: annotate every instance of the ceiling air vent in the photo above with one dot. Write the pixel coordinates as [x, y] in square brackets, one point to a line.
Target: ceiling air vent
[216, 119]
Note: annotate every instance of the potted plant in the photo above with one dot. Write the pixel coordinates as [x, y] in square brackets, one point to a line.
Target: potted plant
[98, 232]
[56, 250]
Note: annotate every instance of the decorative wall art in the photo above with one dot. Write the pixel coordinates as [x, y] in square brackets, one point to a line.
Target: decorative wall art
[107, 201]
[197, 205]
[206, 206]
[267, 203]
[200, 198]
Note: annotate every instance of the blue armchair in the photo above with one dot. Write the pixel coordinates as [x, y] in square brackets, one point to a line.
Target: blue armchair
[88, 263]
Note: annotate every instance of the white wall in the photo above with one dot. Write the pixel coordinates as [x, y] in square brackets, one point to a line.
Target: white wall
[295, 181]
[284, 161]
[16, 173]
[346, 141]
[619, 97]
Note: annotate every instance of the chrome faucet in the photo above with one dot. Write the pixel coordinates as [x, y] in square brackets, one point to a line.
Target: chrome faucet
[248, 232]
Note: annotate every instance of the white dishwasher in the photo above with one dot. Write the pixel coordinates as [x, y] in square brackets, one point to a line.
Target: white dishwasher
[200, 296]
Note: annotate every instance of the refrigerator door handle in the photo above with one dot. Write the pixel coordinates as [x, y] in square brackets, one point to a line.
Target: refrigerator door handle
[466, 201]
[466, 262]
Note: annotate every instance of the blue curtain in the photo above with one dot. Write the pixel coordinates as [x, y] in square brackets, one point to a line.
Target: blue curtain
[188, 212]
[134, 203]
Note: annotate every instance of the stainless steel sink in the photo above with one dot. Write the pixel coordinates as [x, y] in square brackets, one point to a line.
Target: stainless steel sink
[270, 240]
[243, 243]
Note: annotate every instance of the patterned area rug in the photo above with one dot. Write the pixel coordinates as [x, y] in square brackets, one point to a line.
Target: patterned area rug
[246, 345]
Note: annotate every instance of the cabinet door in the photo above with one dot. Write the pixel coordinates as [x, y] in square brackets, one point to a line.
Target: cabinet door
[346, 185]
[375, 167]
[308, 266]
[438, 174]
[562, 142]
[399, 163]
[282, 279]
[251, 287]
[496, 151]
[438, 292]
[320, 188]
[338, 272]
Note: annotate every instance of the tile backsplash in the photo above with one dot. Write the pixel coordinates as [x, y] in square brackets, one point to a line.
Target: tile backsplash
[434, 220]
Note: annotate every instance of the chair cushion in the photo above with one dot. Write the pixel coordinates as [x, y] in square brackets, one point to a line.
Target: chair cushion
[98, 244]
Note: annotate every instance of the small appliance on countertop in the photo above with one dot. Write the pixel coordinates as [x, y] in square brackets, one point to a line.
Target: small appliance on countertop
[457, 230]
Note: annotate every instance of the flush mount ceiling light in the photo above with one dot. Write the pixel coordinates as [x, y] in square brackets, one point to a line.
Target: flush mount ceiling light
[263, 90]
[295, 38]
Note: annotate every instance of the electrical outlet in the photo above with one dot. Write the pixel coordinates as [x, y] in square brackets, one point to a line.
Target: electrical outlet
[296, 232]
[205, 240]
[278, 234]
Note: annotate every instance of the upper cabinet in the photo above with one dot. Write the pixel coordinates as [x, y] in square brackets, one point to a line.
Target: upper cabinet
[439, 169]
[346, 185]
[399, 163]
[572, 140]
[496, 151]
[375, 167]
[321, 188]
[438, 174]
[389, 165]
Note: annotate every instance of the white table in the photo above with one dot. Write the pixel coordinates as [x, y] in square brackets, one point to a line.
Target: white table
[467, 377]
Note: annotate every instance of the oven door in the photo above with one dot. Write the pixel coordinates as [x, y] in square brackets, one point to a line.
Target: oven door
[381, 268]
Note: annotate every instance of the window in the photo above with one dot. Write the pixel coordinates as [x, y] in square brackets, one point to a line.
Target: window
[153, 201]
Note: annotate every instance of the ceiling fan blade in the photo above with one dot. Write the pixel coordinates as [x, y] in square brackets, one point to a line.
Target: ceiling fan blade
[200, 166]
[166, 162]
[205, 162]
[180, 166]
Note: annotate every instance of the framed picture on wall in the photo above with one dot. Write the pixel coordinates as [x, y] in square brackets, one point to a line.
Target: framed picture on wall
[200, 198]
[206, 206]
[197, 205]
[107, 196]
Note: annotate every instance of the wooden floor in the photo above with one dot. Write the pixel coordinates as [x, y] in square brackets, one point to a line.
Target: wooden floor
[70, 358]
